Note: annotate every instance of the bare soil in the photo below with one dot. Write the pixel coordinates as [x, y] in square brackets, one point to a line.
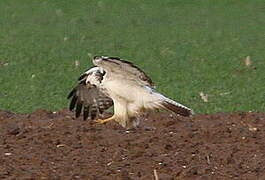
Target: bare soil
[56, 146]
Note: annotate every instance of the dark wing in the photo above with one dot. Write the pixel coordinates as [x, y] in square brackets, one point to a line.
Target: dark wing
[121, 66]
[87, 98]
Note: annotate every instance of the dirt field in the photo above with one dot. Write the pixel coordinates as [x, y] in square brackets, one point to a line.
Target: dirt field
[55, 146]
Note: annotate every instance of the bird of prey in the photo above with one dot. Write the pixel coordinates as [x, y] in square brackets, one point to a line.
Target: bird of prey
[119, 83]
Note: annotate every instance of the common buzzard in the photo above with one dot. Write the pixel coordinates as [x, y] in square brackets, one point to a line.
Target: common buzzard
[113, 81]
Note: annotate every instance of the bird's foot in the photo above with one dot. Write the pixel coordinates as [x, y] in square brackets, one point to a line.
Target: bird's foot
[102, 121]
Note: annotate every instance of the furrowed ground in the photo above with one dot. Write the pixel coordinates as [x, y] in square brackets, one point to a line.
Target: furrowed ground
[47, 145]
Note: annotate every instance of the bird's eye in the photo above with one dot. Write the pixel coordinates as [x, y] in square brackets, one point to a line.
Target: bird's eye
[97, 57]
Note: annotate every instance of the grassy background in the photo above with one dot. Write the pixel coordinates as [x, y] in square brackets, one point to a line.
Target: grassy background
[186, 46]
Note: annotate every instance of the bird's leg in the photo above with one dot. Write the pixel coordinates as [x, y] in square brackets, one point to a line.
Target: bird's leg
[102, 121]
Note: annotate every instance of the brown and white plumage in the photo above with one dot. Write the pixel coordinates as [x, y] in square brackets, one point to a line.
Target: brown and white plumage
[122, 84]
[87, 97]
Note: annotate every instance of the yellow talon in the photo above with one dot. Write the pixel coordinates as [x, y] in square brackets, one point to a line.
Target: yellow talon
[102, 121]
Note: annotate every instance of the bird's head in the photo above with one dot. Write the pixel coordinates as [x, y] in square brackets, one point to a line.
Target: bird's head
[105, 62]
[98, 60]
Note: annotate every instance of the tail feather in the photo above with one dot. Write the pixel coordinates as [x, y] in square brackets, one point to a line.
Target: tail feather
[155, 100]
[176, 107]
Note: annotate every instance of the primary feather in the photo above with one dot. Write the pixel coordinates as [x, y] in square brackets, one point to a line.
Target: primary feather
[87, 97]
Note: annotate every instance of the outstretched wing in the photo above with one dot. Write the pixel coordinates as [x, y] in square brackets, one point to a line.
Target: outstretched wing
[123, 68]
[88, 98]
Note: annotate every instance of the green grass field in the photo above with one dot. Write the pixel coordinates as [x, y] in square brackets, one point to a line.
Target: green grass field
[186, 46]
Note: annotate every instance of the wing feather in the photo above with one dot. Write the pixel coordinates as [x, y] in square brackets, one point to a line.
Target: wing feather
[73, 103]
[88, 99]
[78, 108]
[124, 68]
[94, 111]
[86, 112]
